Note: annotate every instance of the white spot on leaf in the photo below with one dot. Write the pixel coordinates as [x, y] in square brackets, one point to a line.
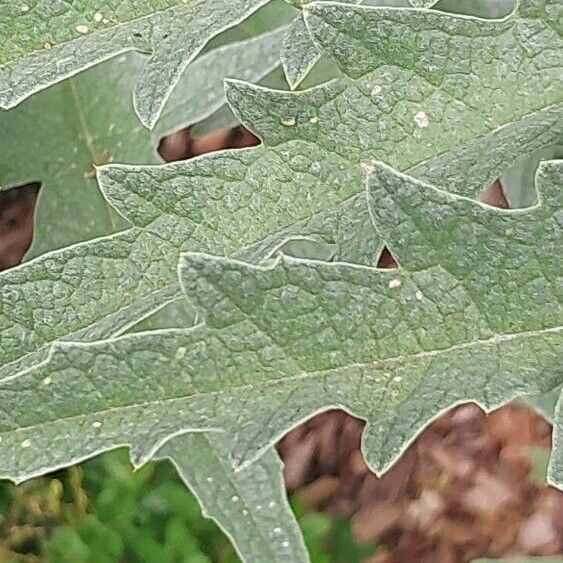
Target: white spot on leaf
[26, 444]
[288, 121]
[81, 28]
[395, 283]
[421, 119]
[376, 90]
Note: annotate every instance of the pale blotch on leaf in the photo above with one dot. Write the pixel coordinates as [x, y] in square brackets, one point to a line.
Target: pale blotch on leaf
[97, 424]
[235, 498]
[288, 121]
[26, 444]
[395, 283]
[419, 295]
[421, 119]
[81, 28]
[98, 17]
[180, 353]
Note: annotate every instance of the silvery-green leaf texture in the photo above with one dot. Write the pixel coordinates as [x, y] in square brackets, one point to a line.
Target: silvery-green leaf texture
[473, 313]
[92, 117]
[305, 186]
[200, 91]
[301, 142]
[304, 182]
[555, 469]
[422, 3]
[196, 208]
[250, 505]
[299, 53]
[247, 202]
[44, 41]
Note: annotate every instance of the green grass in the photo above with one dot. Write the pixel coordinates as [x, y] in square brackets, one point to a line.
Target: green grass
[103, 512]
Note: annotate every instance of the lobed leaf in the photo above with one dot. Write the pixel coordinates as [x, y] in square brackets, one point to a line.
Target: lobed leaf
[45, 41]
[247, 203]
[92, 118]
[250, 505]
[281, 342]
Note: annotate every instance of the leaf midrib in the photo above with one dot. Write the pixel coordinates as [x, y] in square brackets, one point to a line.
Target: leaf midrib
[492, 341]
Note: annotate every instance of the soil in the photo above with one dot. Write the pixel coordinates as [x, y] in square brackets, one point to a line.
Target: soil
[464, 489]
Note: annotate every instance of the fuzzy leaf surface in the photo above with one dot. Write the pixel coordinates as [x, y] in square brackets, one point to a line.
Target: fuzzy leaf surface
[93, 120]
[200, 91]
[472, 314]
[44, 41]
[306, 178]
[249, 505]
[92, 117]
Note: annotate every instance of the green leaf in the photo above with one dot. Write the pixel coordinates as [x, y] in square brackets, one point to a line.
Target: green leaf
[555, 469]
[281, 342]
[517, 181]
[200, 92]
[307, 179]
[92, 118]
[303, 178]
[70, 194]
[58, 137]
[302, 336]
[422, 3]
[545, 403]
[44, 42]
[250, 505]
[300, 54]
